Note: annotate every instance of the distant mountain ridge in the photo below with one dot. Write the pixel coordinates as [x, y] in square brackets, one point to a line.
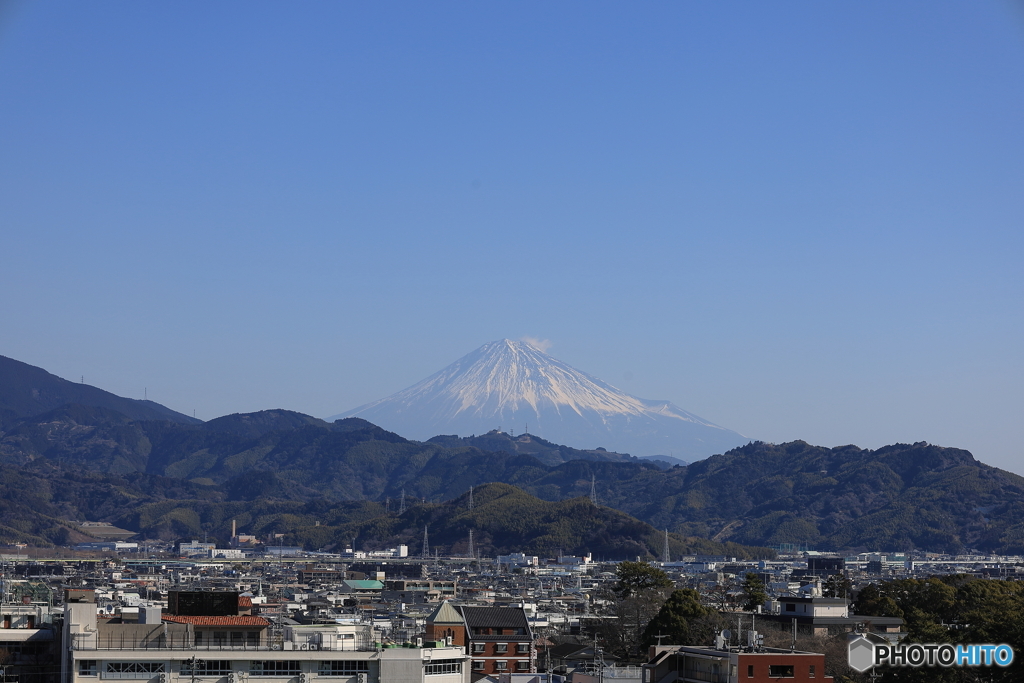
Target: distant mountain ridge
[899, 497]
[26, 390]
[514, 385]
[527, 444]
[164, 477]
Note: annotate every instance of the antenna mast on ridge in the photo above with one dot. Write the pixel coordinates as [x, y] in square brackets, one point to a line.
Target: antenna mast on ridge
[593, 489]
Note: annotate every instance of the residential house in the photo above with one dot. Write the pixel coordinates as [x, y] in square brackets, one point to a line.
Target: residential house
[498, 640]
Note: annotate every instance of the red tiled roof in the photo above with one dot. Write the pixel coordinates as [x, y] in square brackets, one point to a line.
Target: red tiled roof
[244, 601]
[217, 621]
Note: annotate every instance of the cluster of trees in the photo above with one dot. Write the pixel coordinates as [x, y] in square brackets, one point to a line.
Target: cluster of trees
[650, 609]
[951, 609]
[954, 609]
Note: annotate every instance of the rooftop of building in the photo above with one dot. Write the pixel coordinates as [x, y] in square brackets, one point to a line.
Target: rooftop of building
[216, 621]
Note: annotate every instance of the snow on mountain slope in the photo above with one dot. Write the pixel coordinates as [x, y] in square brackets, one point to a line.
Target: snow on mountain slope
[514, 385]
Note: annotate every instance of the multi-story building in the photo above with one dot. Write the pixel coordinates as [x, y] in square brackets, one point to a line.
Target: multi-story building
[824, 615]
[418, 590]
[498, 639]
[28, 643]
[243, 649]
[677, 664]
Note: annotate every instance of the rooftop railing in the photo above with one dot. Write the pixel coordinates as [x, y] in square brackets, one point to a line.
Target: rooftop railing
[359, 643]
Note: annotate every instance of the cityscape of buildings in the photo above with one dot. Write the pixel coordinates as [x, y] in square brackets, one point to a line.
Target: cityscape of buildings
[161, 612]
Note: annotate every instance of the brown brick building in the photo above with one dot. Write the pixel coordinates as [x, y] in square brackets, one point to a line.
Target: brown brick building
[497, 639]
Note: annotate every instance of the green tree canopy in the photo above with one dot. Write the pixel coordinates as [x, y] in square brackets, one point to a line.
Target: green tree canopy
[635, 577]
[683, 619]
[872, 602]
[836, 586]
[754, 593]
[952, 609]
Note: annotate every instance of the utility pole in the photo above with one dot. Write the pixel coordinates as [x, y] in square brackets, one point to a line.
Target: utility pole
[192, 664]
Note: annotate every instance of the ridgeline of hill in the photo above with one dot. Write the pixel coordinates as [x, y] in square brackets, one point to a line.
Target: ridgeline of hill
[35, 507]
[71, 461]
[26, 390]
[897, 497]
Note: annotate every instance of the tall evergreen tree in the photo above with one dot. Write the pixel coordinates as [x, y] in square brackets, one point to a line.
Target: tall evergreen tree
[683, 620]
[754, 593]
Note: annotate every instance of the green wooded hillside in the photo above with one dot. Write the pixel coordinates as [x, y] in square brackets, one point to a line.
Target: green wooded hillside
[897, 497]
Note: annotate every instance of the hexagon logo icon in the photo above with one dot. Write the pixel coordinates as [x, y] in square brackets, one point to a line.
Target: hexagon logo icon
[861, 654]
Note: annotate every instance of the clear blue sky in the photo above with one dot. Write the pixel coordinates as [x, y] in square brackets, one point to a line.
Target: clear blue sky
[798, 220]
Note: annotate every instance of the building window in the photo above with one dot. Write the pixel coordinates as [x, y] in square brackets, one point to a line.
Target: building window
[87, 667]
[750, 670]
[478, 647]
[810, 674]
[132, 669]
[522, 665]
[344, 667]
[478, 665]
[790, 607]
[780, 671]
[443, 666]
[207, 667]
[522, 648]
[501, 665]
[275, 668]
[501, 648]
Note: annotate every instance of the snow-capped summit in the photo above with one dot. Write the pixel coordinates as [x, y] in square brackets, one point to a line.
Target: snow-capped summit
[513, 385]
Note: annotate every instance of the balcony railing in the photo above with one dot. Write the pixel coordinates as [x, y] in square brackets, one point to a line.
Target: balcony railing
[170, 642]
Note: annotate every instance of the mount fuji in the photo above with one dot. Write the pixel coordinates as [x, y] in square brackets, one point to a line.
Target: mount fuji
[515, 385]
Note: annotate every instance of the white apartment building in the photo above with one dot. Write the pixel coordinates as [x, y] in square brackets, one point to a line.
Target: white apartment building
[243, 650]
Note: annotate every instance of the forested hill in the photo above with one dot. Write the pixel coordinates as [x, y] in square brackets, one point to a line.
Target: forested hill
[26, 390]
[36, 506]
[897, 497]
[528, 444]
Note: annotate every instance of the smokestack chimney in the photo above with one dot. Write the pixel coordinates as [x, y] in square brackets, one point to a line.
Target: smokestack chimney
[233, 534]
